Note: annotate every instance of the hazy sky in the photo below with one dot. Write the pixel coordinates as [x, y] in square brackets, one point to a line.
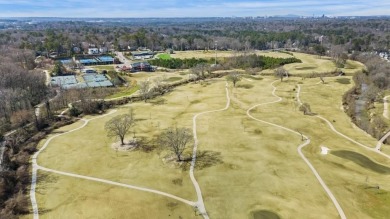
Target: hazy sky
[189, 8]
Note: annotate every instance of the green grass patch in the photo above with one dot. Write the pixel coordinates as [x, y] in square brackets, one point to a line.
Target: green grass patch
[376, 200]
[173, 79]
[124, 92]
[362, 161]
[164, 56]
[263, 214]
[343, 80]
[104, 67]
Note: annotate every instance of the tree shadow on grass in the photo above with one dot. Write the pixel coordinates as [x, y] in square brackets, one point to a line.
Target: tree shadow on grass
[204, 159]
[146, 145]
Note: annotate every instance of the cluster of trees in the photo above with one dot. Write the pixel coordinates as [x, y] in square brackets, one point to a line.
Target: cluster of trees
[175, 139]
[237, 34]
[15, 175]
[256, 61]
[246, 61]
[175, 63]
[378, 70]
[21, 88]
[369, 87]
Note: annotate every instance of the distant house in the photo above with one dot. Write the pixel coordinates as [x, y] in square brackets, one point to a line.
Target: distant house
[141, 55]
[141, 66]
[93, 51]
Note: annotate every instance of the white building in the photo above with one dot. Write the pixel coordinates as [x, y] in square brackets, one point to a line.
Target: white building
[93, 51]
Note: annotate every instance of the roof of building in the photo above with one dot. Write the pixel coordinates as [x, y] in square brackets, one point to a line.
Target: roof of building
[139, 64]
[142, 53]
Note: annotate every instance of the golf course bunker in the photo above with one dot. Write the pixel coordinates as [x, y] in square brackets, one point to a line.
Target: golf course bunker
[362, 161]
[264, 214]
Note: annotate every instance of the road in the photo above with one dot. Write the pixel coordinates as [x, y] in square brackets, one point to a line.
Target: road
[122, 58]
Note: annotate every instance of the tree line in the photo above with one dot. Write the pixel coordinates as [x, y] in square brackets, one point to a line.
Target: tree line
[176, 63]
[235, 34]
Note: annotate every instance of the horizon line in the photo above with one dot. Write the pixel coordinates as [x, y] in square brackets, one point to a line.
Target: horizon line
[256, 16]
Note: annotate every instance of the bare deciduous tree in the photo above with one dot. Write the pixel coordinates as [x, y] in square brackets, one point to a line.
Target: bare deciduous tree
[322, 79]
[201, 70]
[144, 89]
[176, 140]
[120, 125]
[281, 72]
[234, 77]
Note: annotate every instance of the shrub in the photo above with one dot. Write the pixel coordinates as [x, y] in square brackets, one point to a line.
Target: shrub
[245, 86]
[305, 108]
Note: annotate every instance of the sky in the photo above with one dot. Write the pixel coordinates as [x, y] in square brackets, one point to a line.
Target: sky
[190, 8]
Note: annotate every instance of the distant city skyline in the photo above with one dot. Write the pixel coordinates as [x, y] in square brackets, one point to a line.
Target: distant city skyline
[190, 8]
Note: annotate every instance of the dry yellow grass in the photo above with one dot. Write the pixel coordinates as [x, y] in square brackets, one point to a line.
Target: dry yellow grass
[63, 197]
[223, 54]
[243, 166]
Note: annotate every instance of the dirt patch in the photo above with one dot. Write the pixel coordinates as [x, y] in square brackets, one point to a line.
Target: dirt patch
[128, 146]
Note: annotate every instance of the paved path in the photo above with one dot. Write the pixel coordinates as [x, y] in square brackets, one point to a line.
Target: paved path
[386, 107]
[37, 167]
[350, 139]
[48, 77]
[200, 204]
[300, 147]
[380, 142]
[376, 150]
[123, 59]
[386, 115]
[2, 149]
